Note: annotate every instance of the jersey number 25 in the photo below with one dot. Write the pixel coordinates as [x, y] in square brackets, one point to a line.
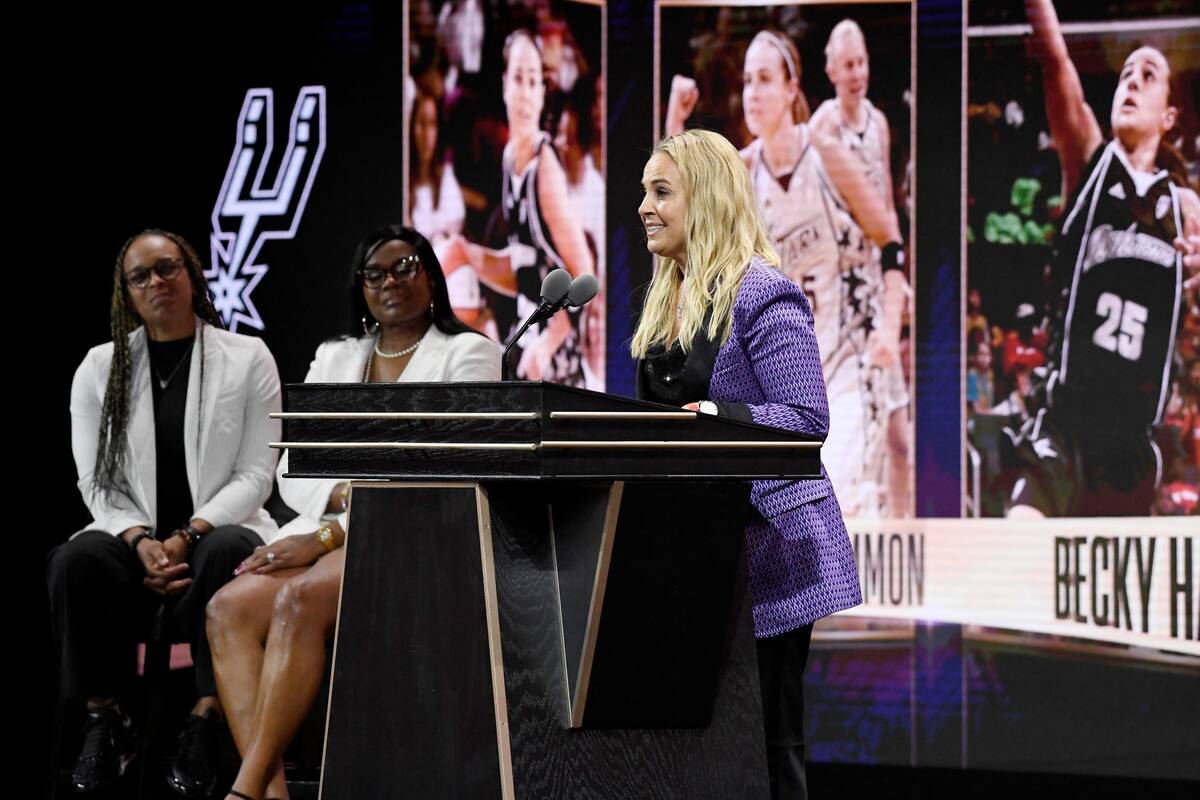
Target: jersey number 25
[1123, 327]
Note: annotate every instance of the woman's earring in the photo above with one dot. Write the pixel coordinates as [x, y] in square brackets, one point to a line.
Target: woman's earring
[369, 330]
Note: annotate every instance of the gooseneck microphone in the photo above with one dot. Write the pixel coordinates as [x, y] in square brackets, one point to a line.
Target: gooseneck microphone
[555, 289]
[558, 292]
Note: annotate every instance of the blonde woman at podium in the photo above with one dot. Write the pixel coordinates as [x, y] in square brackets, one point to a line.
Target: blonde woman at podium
[268, 627]
[724, 332]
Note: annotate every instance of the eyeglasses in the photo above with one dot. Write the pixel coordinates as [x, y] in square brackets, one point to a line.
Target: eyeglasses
[167, 269]
[402, 271]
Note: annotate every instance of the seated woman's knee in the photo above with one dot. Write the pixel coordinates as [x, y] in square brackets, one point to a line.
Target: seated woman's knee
[227, 540]
[301, 598]
[88, 550]
[231, 607]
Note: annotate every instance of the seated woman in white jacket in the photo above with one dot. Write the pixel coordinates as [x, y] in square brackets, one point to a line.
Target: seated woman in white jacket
[170, 430]
[268, 628]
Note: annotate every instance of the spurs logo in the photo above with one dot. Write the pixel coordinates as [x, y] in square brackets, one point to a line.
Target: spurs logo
[251, 208]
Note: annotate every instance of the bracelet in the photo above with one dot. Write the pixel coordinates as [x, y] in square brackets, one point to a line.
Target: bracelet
[325, 537]
[146, 534]
[189, 533]
[892, 256]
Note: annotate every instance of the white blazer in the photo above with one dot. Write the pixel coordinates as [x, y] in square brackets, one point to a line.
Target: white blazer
[230, 477]
[440, 358]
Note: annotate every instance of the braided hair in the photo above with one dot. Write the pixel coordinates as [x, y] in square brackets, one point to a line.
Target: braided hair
[108, 476]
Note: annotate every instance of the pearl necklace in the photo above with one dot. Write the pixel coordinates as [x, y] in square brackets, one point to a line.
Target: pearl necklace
[366, 378]
[398, 353]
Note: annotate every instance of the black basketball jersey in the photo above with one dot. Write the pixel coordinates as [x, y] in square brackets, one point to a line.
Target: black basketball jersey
[523, 213]
[1122, 282]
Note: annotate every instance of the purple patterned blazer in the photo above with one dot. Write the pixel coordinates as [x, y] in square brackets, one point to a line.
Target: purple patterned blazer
[801, 563]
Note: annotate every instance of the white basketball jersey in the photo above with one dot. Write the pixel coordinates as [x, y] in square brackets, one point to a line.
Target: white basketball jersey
[867, 148]
[865, 145]
[820, 245]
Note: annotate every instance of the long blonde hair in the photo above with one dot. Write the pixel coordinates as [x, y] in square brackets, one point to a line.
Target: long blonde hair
[723, 229]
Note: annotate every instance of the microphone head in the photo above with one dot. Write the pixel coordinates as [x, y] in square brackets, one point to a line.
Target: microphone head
[582, 290]
[555, 286]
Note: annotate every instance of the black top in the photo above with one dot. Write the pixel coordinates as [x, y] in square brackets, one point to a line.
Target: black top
[662, 374]
[170, 363]
[673, 377]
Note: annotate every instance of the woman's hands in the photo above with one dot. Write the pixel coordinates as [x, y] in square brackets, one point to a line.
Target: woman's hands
[164, 562]
[290, 552]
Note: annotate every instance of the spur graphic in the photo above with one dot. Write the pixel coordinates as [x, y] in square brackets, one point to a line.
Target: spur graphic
[254, 206]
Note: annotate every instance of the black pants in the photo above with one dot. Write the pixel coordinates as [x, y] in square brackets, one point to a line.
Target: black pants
[781, 662]
[101, 610]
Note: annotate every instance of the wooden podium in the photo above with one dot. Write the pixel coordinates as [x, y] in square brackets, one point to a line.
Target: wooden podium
[544, 593]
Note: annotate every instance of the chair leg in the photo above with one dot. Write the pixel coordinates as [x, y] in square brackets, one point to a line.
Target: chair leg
[155, 672]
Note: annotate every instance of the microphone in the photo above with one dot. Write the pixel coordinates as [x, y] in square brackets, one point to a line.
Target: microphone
[582, 290]
[556, 288]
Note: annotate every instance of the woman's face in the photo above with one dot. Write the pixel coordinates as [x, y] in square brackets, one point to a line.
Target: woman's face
[425, 130]
[160, 302]
[767, 92]
[848, 68]
[524, 90]
[664, 208]
[1141, 104]
[395, 302]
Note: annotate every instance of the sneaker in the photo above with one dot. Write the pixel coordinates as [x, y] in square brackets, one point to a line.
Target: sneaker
[191, 773]
[108, 749]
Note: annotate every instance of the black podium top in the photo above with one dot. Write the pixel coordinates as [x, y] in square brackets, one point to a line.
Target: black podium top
[522, 431]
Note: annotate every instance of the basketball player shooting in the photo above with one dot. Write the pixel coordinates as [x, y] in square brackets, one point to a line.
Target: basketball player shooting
[1127, 251]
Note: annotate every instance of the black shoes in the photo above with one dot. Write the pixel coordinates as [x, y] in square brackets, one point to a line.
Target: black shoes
[108, 748]
[191, 773]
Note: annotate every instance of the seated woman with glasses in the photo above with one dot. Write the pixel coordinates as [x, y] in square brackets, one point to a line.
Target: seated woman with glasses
[170, 430]
[268, 628]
